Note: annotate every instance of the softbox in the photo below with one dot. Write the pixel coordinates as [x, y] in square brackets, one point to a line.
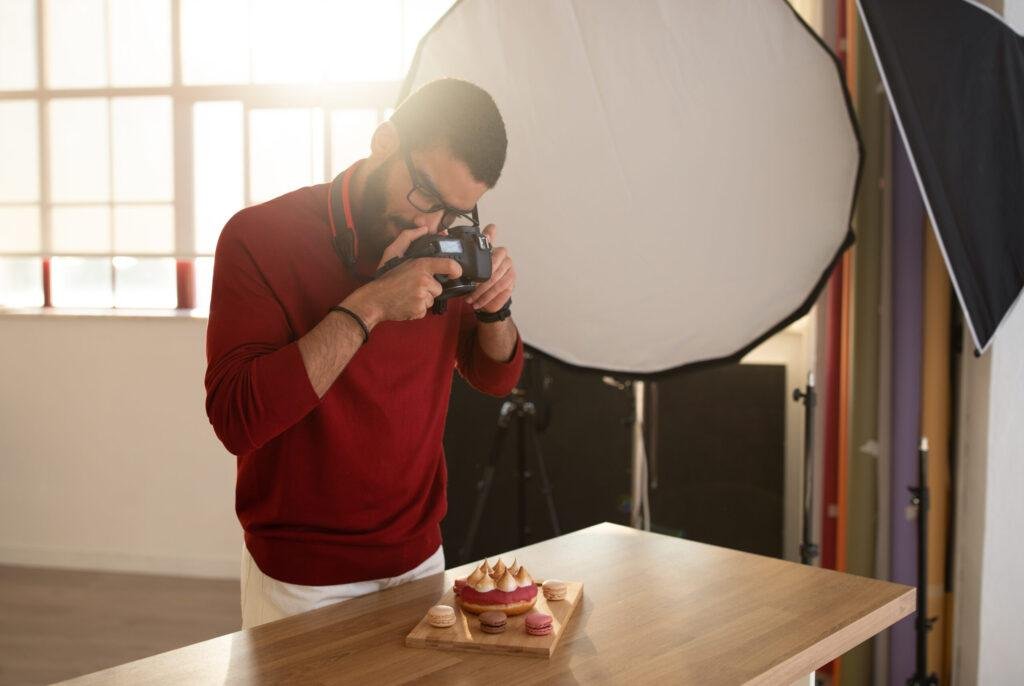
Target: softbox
[954, 72]
[680, 175]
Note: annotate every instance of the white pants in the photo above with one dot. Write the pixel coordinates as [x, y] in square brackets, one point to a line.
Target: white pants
[265, 599]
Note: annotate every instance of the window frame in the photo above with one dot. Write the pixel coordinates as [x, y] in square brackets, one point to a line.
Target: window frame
[379, 96]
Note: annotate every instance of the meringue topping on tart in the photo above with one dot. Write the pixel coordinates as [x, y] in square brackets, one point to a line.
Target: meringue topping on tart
[499, 570]
[485, 584]
[508, 592]
[523, 578]
[475, 577]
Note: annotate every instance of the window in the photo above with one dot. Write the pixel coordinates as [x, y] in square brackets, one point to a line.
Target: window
[131, 130]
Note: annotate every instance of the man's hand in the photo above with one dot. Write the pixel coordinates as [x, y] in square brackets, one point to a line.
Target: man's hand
[407, 291]
[491, 295]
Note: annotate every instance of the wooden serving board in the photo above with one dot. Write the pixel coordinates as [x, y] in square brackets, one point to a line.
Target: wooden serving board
[466, 634]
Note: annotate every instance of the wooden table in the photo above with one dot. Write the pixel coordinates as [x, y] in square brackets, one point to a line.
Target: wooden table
[656, 610]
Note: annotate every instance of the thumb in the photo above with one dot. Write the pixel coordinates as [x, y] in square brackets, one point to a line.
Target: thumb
[401, 243]
[491, 231]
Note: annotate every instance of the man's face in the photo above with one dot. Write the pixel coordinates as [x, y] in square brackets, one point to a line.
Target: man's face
[386, 210]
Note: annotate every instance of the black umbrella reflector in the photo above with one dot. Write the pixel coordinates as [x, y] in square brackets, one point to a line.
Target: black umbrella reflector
[954, 72]
[680, 175]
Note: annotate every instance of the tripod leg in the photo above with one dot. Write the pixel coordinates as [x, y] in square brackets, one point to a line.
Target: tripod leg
[545, 484]
[484, 486]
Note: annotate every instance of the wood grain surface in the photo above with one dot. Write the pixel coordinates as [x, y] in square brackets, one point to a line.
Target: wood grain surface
[657, 609]
[466, 634]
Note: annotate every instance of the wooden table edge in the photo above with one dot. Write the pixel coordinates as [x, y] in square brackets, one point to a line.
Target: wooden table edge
[840, 642]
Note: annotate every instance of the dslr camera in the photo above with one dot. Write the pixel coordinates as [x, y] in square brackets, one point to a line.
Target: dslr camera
[464, 244]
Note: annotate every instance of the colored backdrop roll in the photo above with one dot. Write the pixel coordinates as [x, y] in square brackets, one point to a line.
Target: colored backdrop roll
[863, 447]
[935, 418]
[908, 220]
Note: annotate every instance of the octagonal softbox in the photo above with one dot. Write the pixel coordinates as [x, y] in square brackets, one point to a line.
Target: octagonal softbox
[680, 175]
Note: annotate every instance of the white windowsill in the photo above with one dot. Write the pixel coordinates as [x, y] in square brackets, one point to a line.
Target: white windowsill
[116, 313]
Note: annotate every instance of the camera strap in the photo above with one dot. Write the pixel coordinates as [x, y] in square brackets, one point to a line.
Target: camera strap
[346, 242]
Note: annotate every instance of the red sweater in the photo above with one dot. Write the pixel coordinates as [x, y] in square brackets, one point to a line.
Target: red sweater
[352, 486]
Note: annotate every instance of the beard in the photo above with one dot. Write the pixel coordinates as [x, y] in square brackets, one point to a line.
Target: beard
[378, 228]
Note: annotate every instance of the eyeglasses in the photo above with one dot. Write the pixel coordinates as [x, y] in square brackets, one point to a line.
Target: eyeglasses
[426, 200]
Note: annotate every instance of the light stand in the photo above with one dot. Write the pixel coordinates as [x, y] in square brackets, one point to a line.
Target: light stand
[523, 412]
[808, 550]
[640, 504]
[923, 623]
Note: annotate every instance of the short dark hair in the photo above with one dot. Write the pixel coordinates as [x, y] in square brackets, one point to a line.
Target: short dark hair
[460, 116]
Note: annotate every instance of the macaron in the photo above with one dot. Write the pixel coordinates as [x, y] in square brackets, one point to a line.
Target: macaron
[459, 585]
[441, 616]
[554, 589]
[538, 624]
[493, 622]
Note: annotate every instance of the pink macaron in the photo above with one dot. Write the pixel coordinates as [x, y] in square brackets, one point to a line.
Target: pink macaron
[538, 624]
[459, 585]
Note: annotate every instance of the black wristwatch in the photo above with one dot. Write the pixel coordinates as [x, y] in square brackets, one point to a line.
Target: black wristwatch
[501, 315]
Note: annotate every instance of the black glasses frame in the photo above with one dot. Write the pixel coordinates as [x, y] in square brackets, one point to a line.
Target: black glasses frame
[450, 213]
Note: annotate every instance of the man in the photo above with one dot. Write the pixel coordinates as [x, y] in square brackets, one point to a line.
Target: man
[336, 416]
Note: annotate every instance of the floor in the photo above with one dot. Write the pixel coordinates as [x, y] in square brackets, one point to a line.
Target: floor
[56, 624]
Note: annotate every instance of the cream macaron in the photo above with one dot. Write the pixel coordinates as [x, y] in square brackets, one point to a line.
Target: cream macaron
[554, 589]
[441, 616]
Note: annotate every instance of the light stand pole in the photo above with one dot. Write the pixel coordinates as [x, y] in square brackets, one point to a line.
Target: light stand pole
[923, 623]
[640, 510]
[808, 550]
[639, 506]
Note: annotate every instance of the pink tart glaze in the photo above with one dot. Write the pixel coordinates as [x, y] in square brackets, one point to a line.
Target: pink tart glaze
[496, 597]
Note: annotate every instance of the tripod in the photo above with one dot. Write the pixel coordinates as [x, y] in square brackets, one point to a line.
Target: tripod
[524, 412]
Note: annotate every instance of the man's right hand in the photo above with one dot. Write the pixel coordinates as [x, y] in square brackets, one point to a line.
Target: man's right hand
[405, 292]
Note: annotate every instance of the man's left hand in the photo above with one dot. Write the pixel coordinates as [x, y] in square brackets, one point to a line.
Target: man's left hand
[491, 295]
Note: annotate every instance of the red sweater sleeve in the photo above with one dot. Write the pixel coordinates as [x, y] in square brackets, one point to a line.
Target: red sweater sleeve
[256, 383]
[477, 367]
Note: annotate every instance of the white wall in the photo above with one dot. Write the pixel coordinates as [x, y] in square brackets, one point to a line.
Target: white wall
[989, 571]
[1000, 658]
[107, 460]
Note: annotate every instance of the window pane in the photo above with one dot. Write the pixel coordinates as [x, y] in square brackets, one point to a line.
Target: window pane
[76, 43]
[204, 282]
[285, 151]
[21, 282]
[366, 40]
[420, 16]
[19, 229]
[81, 282]
[285, 44]
[214, 41]
[79, 150]
[19, 151]
[140, 49]
[351, 131]
[80, 229]
[219, 173]
[144, 229]
[17, 44]
[143, 155]
[145, 282]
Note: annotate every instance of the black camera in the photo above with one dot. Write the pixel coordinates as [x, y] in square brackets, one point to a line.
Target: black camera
[464, 244]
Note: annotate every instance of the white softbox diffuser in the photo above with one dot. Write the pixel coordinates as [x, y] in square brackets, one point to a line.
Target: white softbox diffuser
[680, 174]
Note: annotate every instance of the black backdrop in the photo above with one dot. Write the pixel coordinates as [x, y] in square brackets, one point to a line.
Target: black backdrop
[720, 463]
